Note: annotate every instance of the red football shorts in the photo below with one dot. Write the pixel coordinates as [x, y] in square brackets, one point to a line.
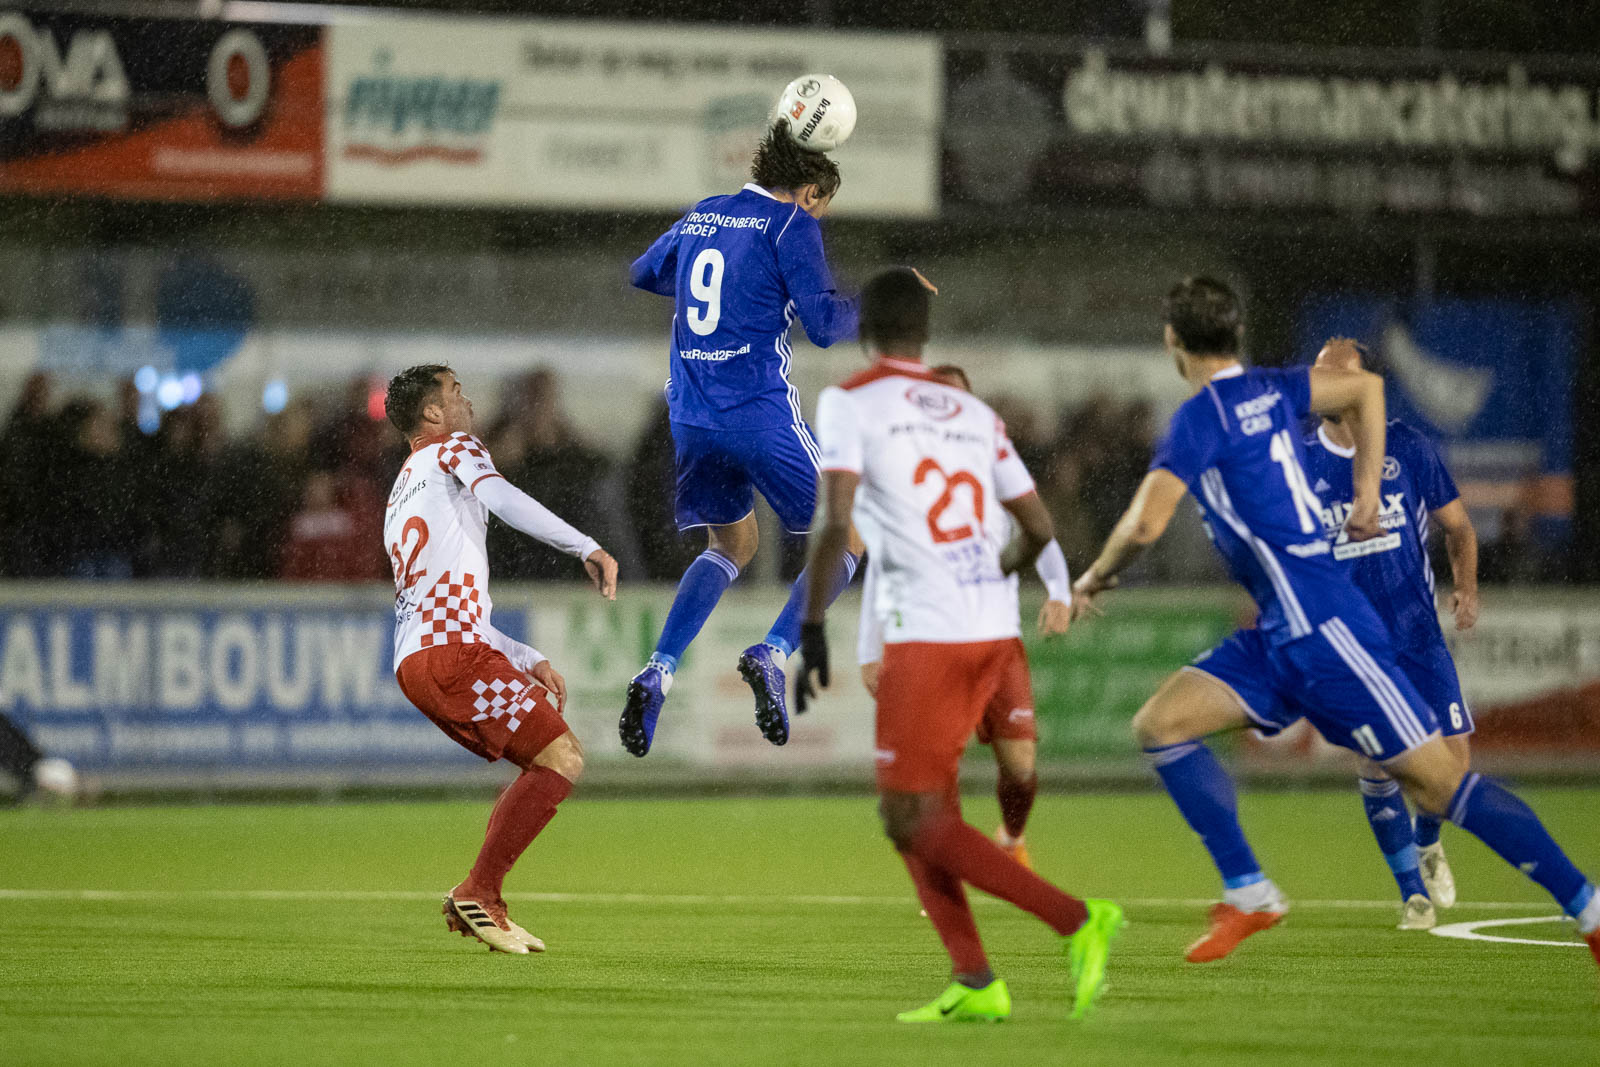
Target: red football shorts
[931, 697]
[487, 706]
[1009, 716]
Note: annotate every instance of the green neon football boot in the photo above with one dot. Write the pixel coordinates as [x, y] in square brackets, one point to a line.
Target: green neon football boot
[961, 1003]
[1087, 950]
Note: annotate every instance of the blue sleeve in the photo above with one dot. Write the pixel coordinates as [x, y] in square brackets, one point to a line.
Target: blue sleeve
[657, 270]
[1295, 385]
[1429, 476]
[826, 316]
[1193, 440]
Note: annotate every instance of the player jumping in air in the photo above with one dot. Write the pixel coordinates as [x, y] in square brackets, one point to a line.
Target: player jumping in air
[1393, 570]
[937, 477]
[1008, 724]
[1318, 650]
[491, 694]
[740, 269]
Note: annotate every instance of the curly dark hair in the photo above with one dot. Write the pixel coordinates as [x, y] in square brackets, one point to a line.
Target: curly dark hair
[1206, 316]
[410, 391]
[781, 164]
[895, 306]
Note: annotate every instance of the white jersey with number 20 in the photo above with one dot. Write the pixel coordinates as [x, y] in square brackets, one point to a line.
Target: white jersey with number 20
[935, 467]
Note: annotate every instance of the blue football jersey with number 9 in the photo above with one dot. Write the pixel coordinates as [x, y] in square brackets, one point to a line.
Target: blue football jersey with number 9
[740, 269]
[1237, 445]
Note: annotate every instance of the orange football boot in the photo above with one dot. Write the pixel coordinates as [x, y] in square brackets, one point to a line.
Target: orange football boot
[1229, 926]
[1016, 849]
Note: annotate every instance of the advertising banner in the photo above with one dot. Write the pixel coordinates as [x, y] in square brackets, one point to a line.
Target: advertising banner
[160, 109]
[601, 115]
[1208, 129]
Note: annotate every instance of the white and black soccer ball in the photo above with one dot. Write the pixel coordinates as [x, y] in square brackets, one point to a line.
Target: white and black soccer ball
[820, 110]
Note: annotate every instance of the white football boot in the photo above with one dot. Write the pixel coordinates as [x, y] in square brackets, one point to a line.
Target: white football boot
[1436, 875]
[471, 918]
[1417, 914]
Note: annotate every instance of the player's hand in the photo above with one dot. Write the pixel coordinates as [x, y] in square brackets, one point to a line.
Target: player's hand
[926, 284]
[551, 679]
[813, 661]
[869, 676]
[1054, 618]
[1088, 586]
[1363, 524]
[602, 572]
[1464, 606]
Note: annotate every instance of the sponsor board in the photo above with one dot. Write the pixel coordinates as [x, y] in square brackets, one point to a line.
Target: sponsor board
[162, 109]
[598, 115]
[1211, 129]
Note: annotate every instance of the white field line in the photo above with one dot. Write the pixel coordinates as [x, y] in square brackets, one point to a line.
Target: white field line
[1469, 931]
[690, 899]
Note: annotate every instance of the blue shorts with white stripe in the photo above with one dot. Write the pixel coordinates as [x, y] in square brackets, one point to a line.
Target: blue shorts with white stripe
[720, 471]
[1347, 684]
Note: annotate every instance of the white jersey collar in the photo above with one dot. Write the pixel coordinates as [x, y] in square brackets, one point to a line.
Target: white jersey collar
[752, 187]
[1229, 372]
[1331, 446]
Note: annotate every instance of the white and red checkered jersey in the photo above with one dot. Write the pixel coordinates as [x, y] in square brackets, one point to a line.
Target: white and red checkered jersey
[434, 529]
[935, 467]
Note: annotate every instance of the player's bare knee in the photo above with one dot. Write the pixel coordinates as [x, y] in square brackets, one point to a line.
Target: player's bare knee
[737, 543]
[564, 755]
[1015, 758]
[1157, 724]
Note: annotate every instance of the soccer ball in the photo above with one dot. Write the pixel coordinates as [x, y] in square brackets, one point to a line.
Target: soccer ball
[820, 110]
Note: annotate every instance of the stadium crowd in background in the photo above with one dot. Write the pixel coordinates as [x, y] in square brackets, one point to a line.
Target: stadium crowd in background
[85, 493]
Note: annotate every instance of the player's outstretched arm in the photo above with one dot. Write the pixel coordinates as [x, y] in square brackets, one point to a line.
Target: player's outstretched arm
[829, 539]
[523, 513]
[1055, 614]
[1141, 526]
[826, 316]
[657, 270]
[1356, 396]
[1461, 542]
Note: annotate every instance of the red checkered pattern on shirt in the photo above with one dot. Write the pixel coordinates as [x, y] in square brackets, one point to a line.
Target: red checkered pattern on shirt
[504, 698]
[450, 611]
[458, 449]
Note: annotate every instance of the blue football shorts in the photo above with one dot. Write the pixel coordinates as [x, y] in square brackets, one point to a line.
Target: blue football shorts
[1346, 684]
[720, 471]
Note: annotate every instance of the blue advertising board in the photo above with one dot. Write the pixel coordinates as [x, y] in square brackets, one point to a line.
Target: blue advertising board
[126, 680]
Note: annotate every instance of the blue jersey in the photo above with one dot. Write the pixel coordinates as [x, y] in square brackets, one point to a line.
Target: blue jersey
[1237, 445]
[1392, 570]
[740, 269]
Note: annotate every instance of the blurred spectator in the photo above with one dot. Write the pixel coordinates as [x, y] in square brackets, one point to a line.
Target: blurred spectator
[261, 483]
[327, 541]
[94, 497]
[181, 493]
[535, 446]
[651, 495]
[1514, 555]
[26, 443]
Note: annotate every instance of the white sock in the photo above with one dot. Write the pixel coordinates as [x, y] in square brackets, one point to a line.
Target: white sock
[1589, 917]
[779, 656]
[1260, 896]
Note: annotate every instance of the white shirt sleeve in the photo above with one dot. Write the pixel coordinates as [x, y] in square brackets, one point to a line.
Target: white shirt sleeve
[1052, 568]
[869, 636]
[1011, 477]
[521, 512]
[838, 431]
[523, 657]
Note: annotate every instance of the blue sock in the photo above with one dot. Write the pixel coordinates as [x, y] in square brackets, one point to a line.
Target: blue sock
[1204, 794]
[699, 590]
[1495, 816]
[1428, 827]
[785, 632]
[1391, 825]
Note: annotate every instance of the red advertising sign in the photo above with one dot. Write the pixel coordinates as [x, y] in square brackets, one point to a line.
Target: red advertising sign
[159, 109]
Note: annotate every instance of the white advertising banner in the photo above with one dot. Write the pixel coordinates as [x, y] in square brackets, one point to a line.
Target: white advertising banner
[529, 112]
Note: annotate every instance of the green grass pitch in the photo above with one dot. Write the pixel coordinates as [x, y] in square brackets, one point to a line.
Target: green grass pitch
[742, 930]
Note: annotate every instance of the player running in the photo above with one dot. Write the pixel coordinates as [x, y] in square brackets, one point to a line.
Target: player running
[740, 269]
[491, 694]
[931, 462]
[1008, 725]
[1393, 570]
[1319, 650]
